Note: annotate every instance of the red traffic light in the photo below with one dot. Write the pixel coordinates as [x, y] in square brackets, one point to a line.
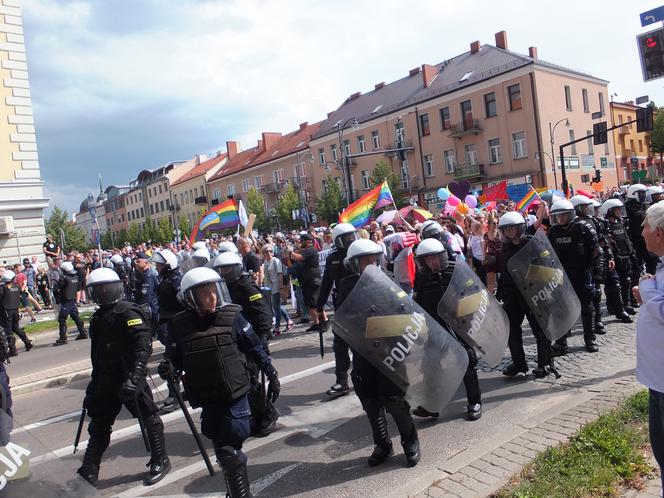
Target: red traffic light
[651, 42]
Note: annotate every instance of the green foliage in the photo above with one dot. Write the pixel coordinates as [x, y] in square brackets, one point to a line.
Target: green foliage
[185, 226]
[164, 230]
[122, 237]
[74, 237]
[331, 202]
[256, 205]
[288, 201]
[601, 456]
[107, 240]
[657, 134]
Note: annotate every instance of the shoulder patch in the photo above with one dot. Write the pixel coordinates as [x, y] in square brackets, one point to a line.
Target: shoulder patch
[255, 297]
[135, 321]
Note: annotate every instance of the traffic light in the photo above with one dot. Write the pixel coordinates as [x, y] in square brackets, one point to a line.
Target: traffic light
[598, 176]
[644, 119]
[599, 133]
[651, 52]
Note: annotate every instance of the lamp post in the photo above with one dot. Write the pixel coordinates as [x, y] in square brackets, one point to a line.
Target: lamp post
[345, 163]
[552, 130]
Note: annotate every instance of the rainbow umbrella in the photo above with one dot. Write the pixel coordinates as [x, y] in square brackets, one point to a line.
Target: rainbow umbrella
[418, 214]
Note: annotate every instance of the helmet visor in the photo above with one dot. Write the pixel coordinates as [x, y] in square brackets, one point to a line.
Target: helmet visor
[208, 297]
[562, 218]
[641, 196]
[432, 262]
[346, 239]
[108, 293]
[230, 273]
[513, 232]
[359, 263]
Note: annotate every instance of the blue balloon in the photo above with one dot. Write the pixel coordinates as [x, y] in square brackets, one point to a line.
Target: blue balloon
[443, 193]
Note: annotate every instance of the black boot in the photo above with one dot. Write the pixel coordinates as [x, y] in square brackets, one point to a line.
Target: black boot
[62, 340]
[400, 411]
[412, 451]
[159, 463]
[92, 458]
[560, 346]
[234, 464]
[11, 346]
[597, 300]
[474, 411]
[422, 412]
[82, 334]
[338, 390]
[512, 370]
[24, 337]
[383, 445]
[624, 317]
[591, 345]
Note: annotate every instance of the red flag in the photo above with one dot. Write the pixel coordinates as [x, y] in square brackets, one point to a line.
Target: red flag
[496, 193]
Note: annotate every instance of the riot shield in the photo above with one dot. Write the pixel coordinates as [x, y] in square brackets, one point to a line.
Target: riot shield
[475, 315]
[384, 325]
[30, 469]
[544, 285]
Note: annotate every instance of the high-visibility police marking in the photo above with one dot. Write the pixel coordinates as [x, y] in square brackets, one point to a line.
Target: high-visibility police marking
[411, 333]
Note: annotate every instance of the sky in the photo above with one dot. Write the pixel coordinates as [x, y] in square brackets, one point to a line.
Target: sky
[125, 85]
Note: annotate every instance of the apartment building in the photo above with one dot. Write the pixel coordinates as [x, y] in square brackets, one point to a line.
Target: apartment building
[483, 116]
[115, 210]
[632, 149]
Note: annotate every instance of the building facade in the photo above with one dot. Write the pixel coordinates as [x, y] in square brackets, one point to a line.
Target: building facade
[632, 149]
[22, 201]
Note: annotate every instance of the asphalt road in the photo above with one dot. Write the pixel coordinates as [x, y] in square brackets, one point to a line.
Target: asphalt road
[321, 446]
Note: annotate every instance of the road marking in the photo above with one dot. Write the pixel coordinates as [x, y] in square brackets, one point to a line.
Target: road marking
[268, 480]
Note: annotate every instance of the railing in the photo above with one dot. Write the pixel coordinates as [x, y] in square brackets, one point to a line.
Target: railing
[623, 130]
[465, 128]
[466, 170]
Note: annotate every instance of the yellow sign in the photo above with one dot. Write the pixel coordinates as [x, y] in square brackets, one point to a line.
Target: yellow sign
[255, 297]
[135, 321]
[469, 304]
[544, 274]
[380, 327]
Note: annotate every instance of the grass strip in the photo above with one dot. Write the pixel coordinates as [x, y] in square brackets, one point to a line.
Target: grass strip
[598, 460]
[35, 328]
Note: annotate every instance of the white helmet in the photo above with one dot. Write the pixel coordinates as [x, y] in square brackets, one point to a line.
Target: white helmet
[654, 191]
[343, 235]
[611, 204]
[581, 204]
[431, 229]
[428, 247]
[104, 286]
[165, 257]
[202, 254]
[596, 204]
[562, 212]
[634, 190]
[512, 219]
[199, 277]
[358, 249]
[229, 265]
[8, 276]
[117, 259]
[199, 245]
[68, 268]
[227, 246]
[431, 255]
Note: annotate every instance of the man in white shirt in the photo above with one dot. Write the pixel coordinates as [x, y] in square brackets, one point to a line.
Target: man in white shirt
[650, 331]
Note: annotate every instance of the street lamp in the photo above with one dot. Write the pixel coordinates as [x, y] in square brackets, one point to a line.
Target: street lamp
[552, 130]
[345, 162]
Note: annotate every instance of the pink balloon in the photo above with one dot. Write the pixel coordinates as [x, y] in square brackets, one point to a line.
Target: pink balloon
[470, 201]
[453, 200]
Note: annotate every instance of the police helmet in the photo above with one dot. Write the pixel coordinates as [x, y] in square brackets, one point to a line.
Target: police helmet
[611, 204]
[68, 268]
[229, 266]
[104, 286]
[117, 259]
[431, 255]
[358, 250]
[635, 192]
[227, 246]
[343, 235]
[654, 194]
[203, 290]
[581, 204]
[512, 219]
[431, 229]
[166, 258]
[199, 245]
[8, 276]
[562, 212]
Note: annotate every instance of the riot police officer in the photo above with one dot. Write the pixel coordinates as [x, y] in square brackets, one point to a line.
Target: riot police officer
[65, 292]
[120, 267]
[211, 339]
[258, 312]
[376, 392]
[120, 349]
[577, 247]
[431, 229]
[618, 284]
[146, 283]
[10, 302]
[167, 265]
[512, 227]
[343, 235]
[636, 206]
[434, 272]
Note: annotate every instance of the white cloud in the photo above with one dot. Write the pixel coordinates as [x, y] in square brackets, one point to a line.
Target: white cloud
[66, 196]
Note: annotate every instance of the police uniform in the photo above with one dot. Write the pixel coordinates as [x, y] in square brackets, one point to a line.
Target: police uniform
[210, 351]
[618, 285]
[10, 302]
[636, 214]
[600, 267]
[145, 292]
[121, 345]
[66, 290]
[125, 275]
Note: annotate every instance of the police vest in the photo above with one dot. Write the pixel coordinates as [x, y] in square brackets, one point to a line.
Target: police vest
[346, 286]
[169, 304]
[70, 288]
[621, 239]
[214, 367]
[568, 243]
[430, 288]
[11, 298]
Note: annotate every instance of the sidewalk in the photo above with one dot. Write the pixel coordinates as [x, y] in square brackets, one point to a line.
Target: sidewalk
[652, 489]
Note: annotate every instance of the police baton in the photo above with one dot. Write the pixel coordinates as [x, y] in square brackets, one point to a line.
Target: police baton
[178, 396]
[320, 339]
[81, 421]
[141, 424]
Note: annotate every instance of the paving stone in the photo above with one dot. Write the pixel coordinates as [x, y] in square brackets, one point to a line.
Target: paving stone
[469, 471]
[451, 486]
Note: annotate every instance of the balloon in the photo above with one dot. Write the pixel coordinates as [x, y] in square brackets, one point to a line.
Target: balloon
[462, 208]
[470, 201]
[453, 200]
[443, 193]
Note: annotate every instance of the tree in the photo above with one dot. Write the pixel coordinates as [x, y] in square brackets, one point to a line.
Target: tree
[184, 226]
[107, 240]
[74, 236]
[256, 205]
[164, 230]
[134, 235]
[331, 202]
[657, 135]
[287, 202]
[383, 171]
[122, 237]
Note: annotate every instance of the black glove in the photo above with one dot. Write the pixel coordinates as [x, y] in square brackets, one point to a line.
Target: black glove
[166, 370]
[129, 390]
[273, 387]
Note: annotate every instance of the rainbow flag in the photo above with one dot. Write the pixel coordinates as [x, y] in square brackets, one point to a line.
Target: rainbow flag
[527, 200]
[224, 215]
[360, 211]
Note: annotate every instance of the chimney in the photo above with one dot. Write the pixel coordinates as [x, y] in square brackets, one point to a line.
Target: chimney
[429, 72]
[532, 52]
[304, 125]
[270, 139]
[414, 71]
[259, 146]
[232, 148]
[355, 95]
[201, 158]
[475, 47]
[501, 39]
[380, 85]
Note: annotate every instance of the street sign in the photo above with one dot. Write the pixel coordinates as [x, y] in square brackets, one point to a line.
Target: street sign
[652, 16]
[642, 100]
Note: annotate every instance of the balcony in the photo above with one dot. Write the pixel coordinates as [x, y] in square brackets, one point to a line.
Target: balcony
[464, 171]
[273, 188]
[404, 144]
[467, 127]
[201, 200]
[623, 130]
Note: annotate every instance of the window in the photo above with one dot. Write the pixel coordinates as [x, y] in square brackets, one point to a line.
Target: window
[321, 156]
[278, 176]
[217, 193]
[571, 139]
[495, 155]
[428, 165]
[156, 207]
[191, 195]
[445, 123]
[514, 95]
[424, 125]
[366, 181]
[246, 185]
[584, 96]
[258, 181]
[620, 119]
[186, 197]
[195, 192]
[333, 149]
[151, 208]
[161, 205]
[640, 145]
[160, 188]
[361, 146]
[375, 139]
[589, 141]
[470, 152]
[168, 204]
[490, 104]
[600, 95]
[568, 98]
[142, 213]
[519, 146]
[181, 198]
[230, 189]
[467, 114]
[324, 185]
[450, 160]
[399, 132]
[346, 144]
[405, 177]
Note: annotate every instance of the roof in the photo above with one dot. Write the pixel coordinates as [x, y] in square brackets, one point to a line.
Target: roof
[201, 169]
[286, 145]
[461, 71]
